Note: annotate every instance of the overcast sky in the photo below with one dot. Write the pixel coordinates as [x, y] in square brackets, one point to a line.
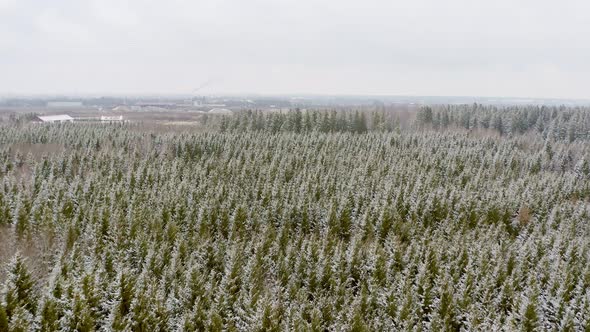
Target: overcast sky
[516, 48]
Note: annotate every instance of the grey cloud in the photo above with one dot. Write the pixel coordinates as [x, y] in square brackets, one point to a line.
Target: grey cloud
[458, 47]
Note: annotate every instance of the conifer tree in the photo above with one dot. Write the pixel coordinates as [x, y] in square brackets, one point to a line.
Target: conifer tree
[19, 288]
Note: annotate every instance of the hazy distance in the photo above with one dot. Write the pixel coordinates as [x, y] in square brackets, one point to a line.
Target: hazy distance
[425, 47]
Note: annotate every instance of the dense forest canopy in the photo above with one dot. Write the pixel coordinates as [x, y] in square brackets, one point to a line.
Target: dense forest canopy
[464, 217]
[553, 123]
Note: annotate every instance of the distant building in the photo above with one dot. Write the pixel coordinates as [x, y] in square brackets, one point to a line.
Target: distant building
[56, 118]
[111, 118]
[64, 104]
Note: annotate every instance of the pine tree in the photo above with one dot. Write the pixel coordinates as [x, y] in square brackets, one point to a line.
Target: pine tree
[530, 318]
[3, 319]
[125, 296]
[19, 288]
[50, 315]
[21, 320]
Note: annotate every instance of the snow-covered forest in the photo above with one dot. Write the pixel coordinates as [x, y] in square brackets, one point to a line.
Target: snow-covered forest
[471, 218]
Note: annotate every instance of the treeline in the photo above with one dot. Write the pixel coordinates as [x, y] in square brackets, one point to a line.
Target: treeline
[131, 228]
[562, 123]
[307, 121]
[555, 123]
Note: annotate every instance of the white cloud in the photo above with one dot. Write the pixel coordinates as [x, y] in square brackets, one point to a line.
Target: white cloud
[7, 4]
[116, 13]
[59, 29]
